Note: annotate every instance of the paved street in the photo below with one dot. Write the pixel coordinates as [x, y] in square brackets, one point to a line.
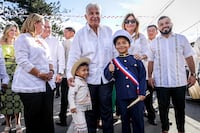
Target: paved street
[192, 124]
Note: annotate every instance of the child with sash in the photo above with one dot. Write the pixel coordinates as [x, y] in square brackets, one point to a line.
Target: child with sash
[130, 81]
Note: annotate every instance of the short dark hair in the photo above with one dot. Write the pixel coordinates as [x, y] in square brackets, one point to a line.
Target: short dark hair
[162, 17]
[70, 29]
[152, 25]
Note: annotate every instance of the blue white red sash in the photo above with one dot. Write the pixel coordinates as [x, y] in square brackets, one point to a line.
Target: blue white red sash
[127, 73]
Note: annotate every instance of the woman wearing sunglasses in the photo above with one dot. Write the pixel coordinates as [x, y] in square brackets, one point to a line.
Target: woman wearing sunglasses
[139, 47]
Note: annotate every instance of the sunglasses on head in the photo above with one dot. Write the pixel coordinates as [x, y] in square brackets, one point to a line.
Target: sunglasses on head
[132, 21]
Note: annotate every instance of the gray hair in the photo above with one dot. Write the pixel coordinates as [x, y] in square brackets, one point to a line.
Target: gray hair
[90, 5]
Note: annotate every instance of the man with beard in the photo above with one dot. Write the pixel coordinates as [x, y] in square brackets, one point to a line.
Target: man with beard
[167, 57]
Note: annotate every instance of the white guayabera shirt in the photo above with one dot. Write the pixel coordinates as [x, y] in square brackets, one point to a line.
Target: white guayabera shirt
[98, 48]
[168, 55]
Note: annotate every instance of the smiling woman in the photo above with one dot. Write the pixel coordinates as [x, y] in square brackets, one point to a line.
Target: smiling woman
[10, 100]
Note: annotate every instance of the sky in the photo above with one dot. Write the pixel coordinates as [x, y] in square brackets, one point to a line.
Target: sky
[184, 14]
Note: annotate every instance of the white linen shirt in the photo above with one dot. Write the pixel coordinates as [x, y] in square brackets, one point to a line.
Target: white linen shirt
[168, 55]
[57, 54]
[98, 48]
[29, 54]
[3, 74]
[66, 45]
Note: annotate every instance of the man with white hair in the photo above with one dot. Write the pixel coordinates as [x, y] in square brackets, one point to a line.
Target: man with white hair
[94, 42]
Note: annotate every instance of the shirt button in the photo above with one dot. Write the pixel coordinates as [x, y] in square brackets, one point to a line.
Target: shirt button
[126, 77]
[127, 86]
[125, 60]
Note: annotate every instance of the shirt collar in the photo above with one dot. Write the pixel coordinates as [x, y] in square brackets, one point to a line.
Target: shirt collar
[123, 55]
[171, 35]
[90, 29]
[80, 78]
[133, 35]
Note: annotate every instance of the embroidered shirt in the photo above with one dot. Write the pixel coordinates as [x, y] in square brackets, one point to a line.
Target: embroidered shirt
[31, 52]
[168, 55]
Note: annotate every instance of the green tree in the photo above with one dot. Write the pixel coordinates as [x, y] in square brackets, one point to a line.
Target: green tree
[25, 7]
[38, 6]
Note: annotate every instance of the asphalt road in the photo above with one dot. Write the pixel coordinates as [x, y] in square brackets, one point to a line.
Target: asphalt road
[192, 120]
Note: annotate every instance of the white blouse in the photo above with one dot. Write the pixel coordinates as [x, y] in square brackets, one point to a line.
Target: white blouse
[29, 54]
[140, 47]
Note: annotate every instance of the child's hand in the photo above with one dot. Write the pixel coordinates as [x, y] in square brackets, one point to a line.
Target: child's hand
[140, 57]
[73, 110]
[137, 56]
[111, 67]
[141, 97]
[70, 82]
[58, 78]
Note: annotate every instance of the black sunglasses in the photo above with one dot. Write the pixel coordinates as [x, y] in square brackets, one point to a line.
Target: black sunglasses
[132, 21]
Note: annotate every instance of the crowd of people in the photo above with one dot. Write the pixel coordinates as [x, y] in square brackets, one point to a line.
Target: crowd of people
[87, 66]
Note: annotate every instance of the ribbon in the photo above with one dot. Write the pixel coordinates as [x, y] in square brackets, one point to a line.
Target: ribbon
[127, 73]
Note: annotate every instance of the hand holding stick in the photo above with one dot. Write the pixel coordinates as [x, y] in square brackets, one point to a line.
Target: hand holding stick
[137, 100]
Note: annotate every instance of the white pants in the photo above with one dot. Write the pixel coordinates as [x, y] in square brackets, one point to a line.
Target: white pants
[78, 124]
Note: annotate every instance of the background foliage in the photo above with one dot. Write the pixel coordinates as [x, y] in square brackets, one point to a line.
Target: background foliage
[18, 10]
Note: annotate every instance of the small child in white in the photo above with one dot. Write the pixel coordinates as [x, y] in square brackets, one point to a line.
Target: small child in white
[79, 97]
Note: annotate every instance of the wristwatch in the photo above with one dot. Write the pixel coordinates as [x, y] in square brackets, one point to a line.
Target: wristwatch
[193, 74]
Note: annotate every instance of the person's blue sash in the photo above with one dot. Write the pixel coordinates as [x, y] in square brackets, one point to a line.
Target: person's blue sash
[127, 73]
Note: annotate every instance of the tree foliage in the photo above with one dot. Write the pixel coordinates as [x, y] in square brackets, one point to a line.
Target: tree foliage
[38, 6]
[20, 9]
